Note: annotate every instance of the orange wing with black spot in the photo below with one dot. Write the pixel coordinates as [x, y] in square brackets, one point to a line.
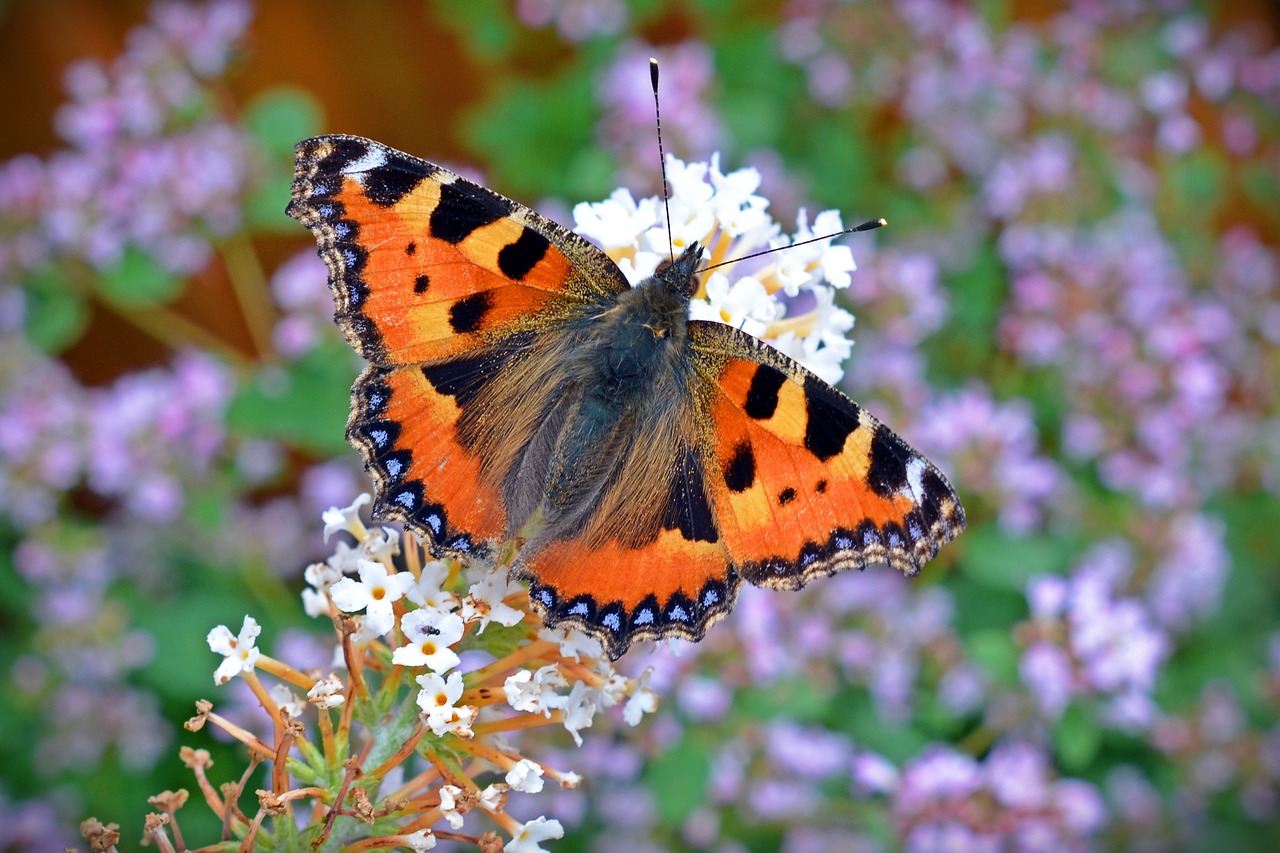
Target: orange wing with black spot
[425, 264]
[438, 282]
[804, 481]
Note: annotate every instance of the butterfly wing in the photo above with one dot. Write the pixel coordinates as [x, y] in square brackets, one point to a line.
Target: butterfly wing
[440, 284]
[806, 483]
[648, 562]
[425, 264]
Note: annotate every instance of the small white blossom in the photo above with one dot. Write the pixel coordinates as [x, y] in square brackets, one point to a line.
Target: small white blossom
[381, 545]
[419, 841]
[525, 776]
[429, 634]
[429, 590]
[529, 834]
[573, 643]
[490, 799]
[438, 701]
[327, 692]
[579, 709]
[240, 653]
[643, 700]
[484, 602]
[534, 692]
[570, 780]
[743, 304]
[449, 805]
[373, 593]
[287, 699]
[347, 518]
[618, 221]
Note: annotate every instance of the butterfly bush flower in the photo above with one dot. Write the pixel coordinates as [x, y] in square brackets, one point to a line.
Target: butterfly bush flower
[788, 300]
[418, 720]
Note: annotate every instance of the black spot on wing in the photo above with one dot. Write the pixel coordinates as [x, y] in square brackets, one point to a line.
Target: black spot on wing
[411, 249]
[821, 487]
[421, 283]
[740, 473]
[516, 259]
[463, 208]
[830, 418]
[762, 396]
[341, 152]
[462, 378]
[386, 185]
[466, 314]
[887, 473]
[786, 496]
[687, 506]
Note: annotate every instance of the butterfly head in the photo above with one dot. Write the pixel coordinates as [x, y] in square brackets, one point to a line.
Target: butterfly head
[680, 277]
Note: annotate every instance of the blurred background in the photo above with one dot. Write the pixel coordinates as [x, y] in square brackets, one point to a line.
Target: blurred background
[1075, 312]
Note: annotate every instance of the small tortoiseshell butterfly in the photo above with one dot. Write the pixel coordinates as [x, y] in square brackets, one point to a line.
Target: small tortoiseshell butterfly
[520, 391]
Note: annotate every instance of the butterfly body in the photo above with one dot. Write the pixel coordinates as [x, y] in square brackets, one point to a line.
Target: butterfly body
[521, 391]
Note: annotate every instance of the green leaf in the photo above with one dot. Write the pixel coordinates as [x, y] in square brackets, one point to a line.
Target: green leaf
[137, 280]
[994, 651]
[54, 316]
[1076, 740]
[264, 207]
[679, 779]
[994, 559]
[280, 117]
[303, 404]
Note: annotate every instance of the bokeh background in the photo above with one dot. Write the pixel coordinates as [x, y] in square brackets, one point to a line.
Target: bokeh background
[1075, 311]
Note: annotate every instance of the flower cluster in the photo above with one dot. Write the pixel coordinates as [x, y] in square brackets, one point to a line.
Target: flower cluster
[946, 800]
[151, 162]
[138, 441]
[441, 666]
[789, 299]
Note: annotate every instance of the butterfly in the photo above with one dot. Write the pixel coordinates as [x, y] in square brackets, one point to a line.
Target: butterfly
[520, 392]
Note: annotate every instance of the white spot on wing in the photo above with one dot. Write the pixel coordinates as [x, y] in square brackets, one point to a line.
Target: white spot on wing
[372, 159]
[915, 478]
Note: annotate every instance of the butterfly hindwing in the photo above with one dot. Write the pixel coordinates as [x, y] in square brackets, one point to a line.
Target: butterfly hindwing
[425, 264]
[647, 561]
[805, 482]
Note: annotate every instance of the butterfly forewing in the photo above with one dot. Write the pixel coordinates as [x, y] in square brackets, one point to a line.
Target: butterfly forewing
[425, 264]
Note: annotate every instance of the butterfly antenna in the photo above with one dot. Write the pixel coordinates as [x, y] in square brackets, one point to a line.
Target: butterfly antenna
[662, 158]
[866, 226]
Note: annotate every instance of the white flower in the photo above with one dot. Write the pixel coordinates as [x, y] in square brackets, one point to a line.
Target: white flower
[534, 692]
[618, 221]
[735, 204]
[579, 709]
[490, 799]
[240, 653]
[484, 602]
[643, 700]
[570, 780]
[449, 805]
[381, 545]
[347, 518]
[327, 692]
[419, 841]
[428, 636]
[529, 834]
[525, 776]
[287, 699]
[573, 643]
[429, 590]
[373, 593]
[744, 304]
[438, 698]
